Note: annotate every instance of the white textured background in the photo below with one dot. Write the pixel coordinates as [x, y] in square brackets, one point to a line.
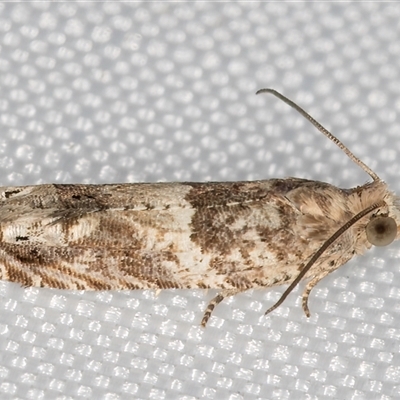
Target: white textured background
[125, 92]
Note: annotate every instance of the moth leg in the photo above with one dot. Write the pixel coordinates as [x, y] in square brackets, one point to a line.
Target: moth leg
[215, 301]
[308, 289]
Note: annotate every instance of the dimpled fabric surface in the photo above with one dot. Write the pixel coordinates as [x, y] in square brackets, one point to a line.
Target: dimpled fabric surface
[134, 92]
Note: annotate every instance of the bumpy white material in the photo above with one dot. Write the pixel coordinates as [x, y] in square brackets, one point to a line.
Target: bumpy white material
[127, 92]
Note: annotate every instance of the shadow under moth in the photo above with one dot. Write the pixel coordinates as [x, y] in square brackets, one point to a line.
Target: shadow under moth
[231, 236]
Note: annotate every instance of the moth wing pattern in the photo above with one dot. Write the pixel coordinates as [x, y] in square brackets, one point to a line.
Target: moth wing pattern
[100, 237]
[231, 236]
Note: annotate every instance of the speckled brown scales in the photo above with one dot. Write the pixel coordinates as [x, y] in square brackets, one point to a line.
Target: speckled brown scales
[222, 235]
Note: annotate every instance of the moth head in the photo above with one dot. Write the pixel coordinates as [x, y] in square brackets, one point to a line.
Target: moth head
[381, 230]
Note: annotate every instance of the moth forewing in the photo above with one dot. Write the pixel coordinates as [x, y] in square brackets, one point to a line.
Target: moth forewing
[231, 236]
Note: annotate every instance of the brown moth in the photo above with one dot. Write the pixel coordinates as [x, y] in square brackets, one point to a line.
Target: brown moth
[231, 236]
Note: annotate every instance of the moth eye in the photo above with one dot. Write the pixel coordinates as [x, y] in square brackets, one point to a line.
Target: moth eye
[381, 231]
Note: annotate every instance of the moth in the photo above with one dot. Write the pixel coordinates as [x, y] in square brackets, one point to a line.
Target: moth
[231, 236]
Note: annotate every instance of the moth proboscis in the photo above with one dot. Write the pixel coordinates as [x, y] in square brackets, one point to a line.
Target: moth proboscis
[231, 236]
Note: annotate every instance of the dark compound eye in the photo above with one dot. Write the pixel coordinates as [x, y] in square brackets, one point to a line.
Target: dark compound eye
[381, 231]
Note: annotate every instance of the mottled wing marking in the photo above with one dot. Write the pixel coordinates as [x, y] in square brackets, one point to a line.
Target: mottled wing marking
[213, 235]
[225, 235]
[230, 235]
[139, 236]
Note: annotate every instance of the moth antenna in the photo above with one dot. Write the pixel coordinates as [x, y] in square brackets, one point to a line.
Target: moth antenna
[322, 249]
[329, 135]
